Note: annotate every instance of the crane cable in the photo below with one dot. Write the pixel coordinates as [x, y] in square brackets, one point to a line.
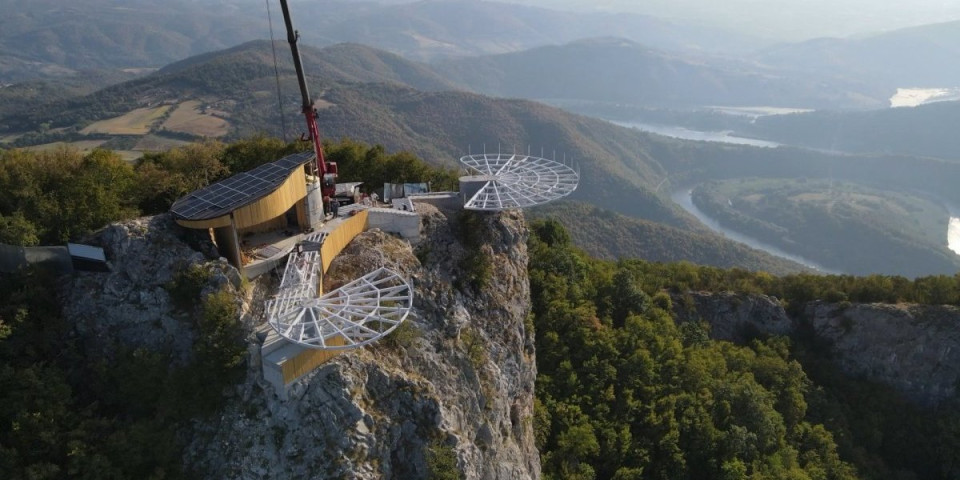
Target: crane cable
[276, 72]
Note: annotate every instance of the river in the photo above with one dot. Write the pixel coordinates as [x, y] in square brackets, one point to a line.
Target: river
[953, 235]
[687, 134]
[684, 198]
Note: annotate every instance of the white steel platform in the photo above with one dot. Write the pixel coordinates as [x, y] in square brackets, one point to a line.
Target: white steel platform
[517, 181]
[356, 314]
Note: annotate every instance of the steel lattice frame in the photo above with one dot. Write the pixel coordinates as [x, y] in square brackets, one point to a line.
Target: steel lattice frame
[354, 315]
[517, 181]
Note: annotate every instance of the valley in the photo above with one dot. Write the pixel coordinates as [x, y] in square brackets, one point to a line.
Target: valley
[754, 277]
[882, 231]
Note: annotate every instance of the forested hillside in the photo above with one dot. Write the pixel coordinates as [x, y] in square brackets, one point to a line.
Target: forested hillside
[625, 390]
[884, 231]
[925, 130]
[606, 235]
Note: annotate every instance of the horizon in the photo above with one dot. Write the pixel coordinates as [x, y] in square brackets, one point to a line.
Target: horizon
[779, 20]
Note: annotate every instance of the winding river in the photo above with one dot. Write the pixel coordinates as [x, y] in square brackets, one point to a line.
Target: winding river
[684, 198]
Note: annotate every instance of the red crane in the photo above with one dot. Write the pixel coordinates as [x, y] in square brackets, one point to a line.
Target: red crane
[326, 171]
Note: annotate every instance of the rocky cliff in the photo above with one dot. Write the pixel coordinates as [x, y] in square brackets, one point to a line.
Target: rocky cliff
[452, 389]
[912, 348]
[130, 307]
[456, 382]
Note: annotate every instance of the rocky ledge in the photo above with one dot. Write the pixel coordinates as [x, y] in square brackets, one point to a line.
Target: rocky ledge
[456, 382]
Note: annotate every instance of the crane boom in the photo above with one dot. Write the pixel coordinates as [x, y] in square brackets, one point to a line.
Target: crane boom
[325, 171]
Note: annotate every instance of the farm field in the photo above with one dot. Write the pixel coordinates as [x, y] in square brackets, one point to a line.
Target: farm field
[188, 118]
[136, 122]
[82, 145]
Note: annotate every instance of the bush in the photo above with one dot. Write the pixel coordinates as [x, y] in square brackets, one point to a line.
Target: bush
[442, 462]
[186, 286]
[401, 337]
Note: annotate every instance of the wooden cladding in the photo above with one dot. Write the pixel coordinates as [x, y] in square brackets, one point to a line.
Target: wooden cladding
[266, 209]
[308, 359]
[338, 239]
[275, 204]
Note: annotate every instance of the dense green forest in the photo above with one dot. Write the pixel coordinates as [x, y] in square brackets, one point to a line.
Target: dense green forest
[625, 392]
[65, 413]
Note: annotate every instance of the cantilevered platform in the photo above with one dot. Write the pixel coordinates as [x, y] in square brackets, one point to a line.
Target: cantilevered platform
[505, 181]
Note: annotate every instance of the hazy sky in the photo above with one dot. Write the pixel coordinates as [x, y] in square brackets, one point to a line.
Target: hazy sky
[782, 19]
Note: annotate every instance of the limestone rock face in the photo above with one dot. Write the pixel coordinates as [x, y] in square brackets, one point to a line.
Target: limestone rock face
[129, 307]
[913, 348]
[458, 378]
[734, 316]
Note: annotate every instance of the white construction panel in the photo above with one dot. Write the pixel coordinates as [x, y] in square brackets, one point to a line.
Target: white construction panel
[518, 181]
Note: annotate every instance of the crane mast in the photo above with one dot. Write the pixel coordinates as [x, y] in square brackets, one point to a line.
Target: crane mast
[327, 172]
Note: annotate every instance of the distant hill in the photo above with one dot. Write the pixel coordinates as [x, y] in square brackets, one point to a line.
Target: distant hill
[608, 235]
[926, 130]
[620, 71]
[924, 56]
[343, 62]
[444, 28]
[50, 38]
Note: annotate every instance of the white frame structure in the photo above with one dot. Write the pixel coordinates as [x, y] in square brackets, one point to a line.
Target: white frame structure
[517, 181]
[356, 314]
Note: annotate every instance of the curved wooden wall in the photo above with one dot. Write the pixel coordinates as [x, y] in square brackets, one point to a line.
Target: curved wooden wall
[271, 206]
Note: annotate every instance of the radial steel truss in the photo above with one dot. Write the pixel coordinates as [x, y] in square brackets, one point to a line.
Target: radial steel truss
[356, 314]
[517, 181]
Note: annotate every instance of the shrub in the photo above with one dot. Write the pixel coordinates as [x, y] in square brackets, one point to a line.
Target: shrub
[442, 462]
[186, 286]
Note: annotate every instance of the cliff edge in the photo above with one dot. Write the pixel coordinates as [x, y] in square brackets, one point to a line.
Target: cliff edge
[452, 389]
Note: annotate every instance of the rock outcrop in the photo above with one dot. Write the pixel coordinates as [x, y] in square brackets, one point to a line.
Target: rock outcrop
[457, 380]
[130, 307]
[912, 348]
[736, 317]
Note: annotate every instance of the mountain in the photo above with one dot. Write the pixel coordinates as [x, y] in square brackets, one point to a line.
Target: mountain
[439, 126]
[345, 62]
[45, 38]
[435, 29]
[923, 56]
[110, 34]
[925, 130]
[620, 71]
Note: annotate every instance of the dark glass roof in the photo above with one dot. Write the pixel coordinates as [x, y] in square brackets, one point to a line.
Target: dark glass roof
[239, 190]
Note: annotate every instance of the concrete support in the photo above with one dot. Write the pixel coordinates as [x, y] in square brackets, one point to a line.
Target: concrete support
[228, 243]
